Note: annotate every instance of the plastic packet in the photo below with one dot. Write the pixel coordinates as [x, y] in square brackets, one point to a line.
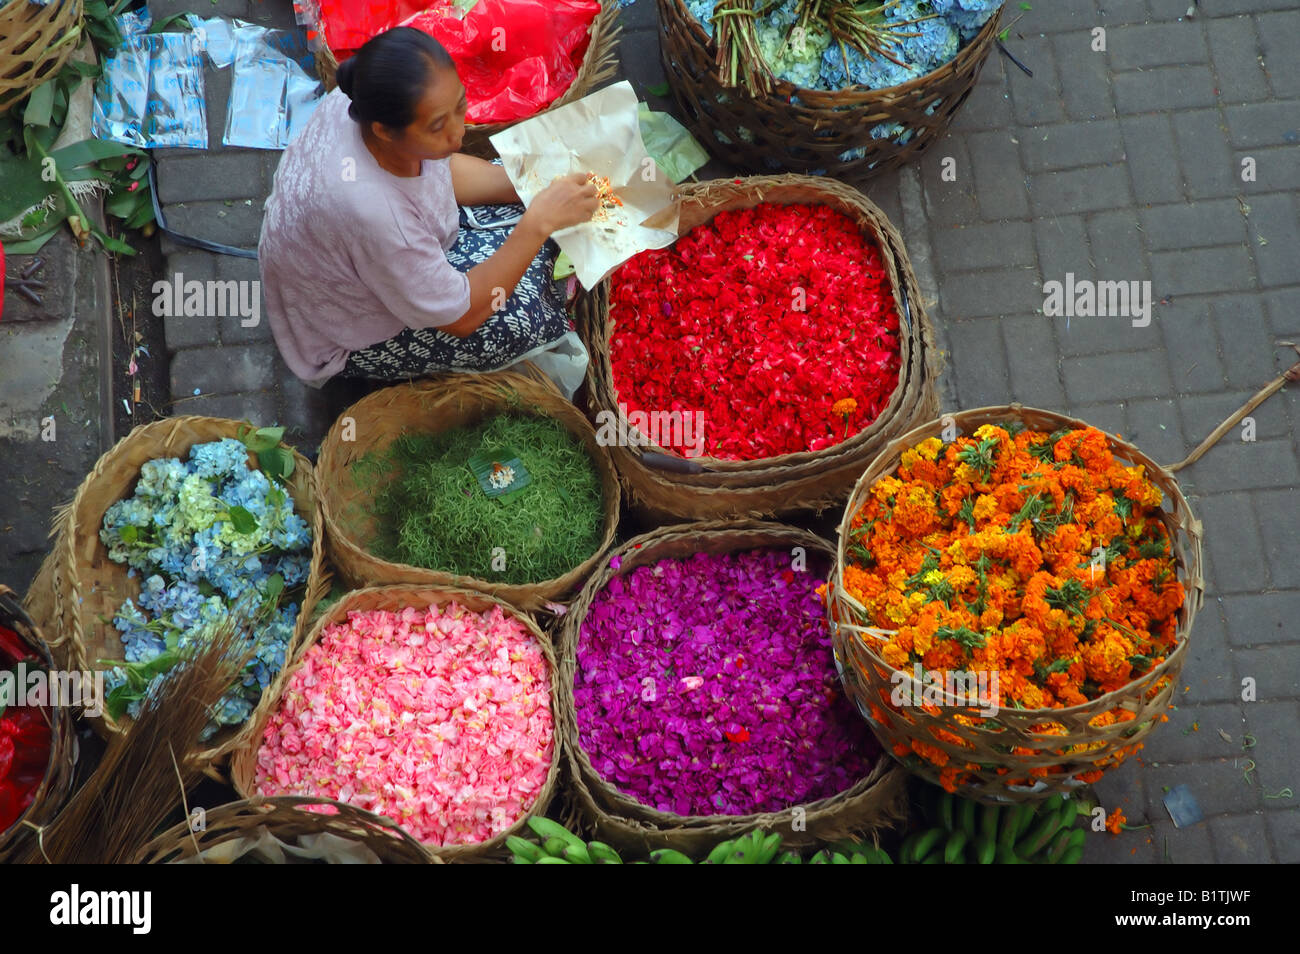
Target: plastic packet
[216, 37]
[272, 93]
[669, 143]
[151, 93]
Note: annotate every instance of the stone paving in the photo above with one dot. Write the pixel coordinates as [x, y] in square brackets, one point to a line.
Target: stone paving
[1167, 157]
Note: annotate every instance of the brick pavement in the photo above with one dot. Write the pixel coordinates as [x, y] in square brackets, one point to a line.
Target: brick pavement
[1117, 165]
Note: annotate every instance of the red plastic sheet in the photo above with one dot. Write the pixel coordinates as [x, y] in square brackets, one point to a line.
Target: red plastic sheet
[515, 57]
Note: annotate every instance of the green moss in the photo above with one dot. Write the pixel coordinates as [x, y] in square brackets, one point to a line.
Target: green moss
[430, 511]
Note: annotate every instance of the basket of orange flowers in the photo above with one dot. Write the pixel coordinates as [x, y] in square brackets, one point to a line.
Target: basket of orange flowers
[1012, 600]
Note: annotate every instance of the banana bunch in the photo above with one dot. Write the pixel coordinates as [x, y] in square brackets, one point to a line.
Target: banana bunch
[965, 832]
[559, 846]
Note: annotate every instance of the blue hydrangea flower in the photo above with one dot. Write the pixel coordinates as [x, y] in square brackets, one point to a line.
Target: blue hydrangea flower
[938, 42]
[219, 459]
[968, 16]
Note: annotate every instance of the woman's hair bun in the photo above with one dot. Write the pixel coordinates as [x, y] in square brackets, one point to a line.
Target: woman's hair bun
[345, 75]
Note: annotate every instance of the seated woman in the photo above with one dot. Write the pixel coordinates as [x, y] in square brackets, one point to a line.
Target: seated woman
[369, 267]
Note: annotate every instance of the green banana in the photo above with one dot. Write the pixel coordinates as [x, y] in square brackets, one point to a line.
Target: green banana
[545, 829]
[1073, 856]
[789, 858]
[602, 853]
[908, 851]
[669, 856]
[1008, 856]
[985, 850]
[925, 844]
[966, 816]
[771, 845]
[555, 847]
[1053, 852]
[552, 860]
[989, 821]
[874, 855]
[577, 854]
[946, 810]
[1049, 824]
[756, 855]
[524, 849]
[858, 858]
[839, 859]
[720, 852]
[521, 860]
[822, 857]
[934, 858]
[952, 851]
[1078, 837]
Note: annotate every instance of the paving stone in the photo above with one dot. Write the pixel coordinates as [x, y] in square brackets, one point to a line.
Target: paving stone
[638, 51]
[1119, 376]
[1158, 44]
[1208, 675]
[232, 174]
[1275, 169]
[1165, 88]
[234, 327]
[1108, 416]
[1249, 357]
[999, 187]
[1216, 783]
[238, 225]
[1193, 224]
[1034, 361]
[640, 16]
[949, 203]
[989, 104]
[1263, 124]
[1273, 219]
[1280, 36]
[1120, 12]
[225, 370]
[1087, 91]
[1035, 100]
[1062, 244]
[1191, 735]
[1284, 834]
[1079, 190]
[1275, 670]
[1103, 335]
[228, 8]
[1272, 724]
[1000, 292]
[1152, 158]
[1203, 413]
[1261, 617]
[1233, 538]
[1194, 271]
[992, 245]
[1192, 345]
[257, 407]
[979, 362]
[1279, 522]
[1236, 51]
[1210, 169]
[1284, 312]
[1122, 788]
[1116, 243]
[1072, 145]
[1226, 7]
[1155, 427]
[216, 91]
[1053, 18]
[1240, 840]
[1188, 846]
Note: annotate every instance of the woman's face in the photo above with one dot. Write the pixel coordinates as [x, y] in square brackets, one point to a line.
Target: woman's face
[439, 124]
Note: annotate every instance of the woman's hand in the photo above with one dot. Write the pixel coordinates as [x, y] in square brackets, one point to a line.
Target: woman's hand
[569, 200]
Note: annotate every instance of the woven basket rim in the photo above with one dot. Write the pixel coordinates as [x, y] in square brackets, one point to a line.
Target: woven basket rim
[535, 397]
[641, 550]
[783, 89]
[163, 438]
[243, 762]
[1194, 584]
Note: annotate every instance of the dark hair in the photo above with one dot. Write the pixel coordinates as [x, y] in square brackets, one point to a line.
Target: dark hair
[389, 75]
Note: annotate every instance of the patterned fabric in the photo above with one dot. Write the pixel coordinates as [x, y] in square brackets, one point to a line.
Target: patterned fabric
[533, 318]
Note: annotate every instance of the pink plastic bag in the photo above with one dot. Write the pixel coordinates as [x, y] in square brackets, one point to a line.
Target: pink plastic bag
[515, 57]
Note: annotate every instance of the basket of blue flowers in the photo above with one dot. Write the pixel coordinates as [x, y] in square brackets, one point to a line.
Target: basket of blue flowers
[183, 523]
[840, 88]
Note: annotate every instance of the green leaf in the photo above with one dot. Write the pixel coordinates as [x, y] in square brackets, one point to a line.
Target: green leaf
[110, 243]
[90, 150]
[274, 587]
[140, 218]
[32, 245]
[40, 105]
[128, 534]
[242, 520]
[275, 462]
[659, 89]
[21, 185]
[118, 700]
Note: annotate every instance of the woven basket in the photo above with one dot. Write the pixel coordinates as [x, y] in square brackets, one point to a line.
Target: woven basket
[89, 587]
[1002, 776]
[35, 42]
[773, 133]
[624, 822]
[287, 819]
[243, 766]
[433, 406]
[54, 788]
[783, 485]
[598, 64]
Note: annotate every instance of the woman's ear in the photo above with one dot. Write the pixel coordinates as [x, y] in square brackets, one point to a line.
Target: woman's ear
[383, 132]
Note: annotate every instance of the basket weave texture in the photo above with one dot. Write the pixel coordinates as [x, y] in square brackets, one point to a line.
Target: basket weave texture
[55, 787]
[432, 406]
[598, 64]
[998, 774]
[873, 803]
[88, 588]
[773, 486]
[286, 819]
[35, 42]
[775, 133]
[243, 766]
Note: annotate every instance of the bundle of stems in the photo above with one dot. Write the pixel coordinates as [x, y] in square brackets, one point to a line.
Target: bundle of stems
[740, 61]
[146, 770]
[861, 26]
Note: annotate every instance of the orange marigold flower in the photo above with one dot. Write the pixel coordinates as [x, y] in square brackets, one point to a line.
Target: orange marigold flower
[1114, 820]
[844, 407]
